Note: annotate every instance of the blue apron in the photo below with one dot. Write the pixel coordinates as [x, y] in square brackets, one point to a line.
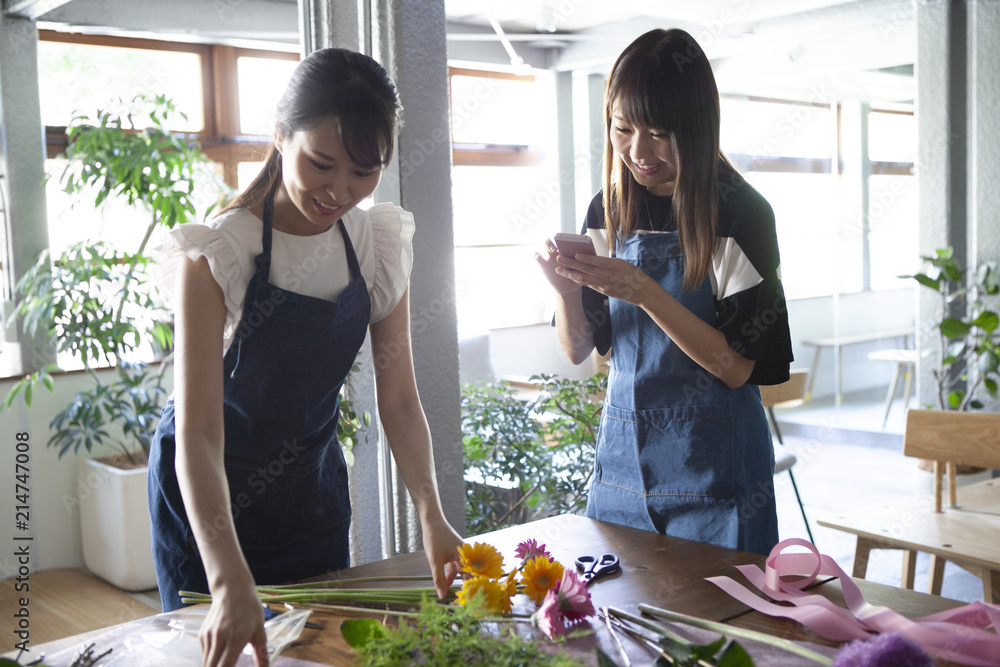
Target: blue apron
[286, 473]
[678, 451]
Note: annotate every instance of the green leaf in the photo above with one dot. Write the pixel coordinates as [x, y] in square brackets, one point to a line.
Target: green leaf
[954, 328]
[987, 321]
[359, 632]
[955, 398]
[735, 656]
[926, 281]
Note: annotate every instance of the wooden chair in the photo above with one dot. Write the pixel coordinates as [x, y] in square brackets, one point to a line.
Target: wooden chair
[950, 439]
[966, 534]
[786, 395]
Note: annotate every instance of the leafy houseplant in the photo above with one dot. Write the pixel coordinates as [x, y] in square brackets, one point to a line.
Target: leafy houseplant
[968, 330]
[532, 458]
[97, 301]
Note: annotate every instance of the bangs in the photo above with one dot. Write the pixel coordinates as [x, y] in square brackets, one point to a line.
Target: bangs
[645, 99]
[368, 136]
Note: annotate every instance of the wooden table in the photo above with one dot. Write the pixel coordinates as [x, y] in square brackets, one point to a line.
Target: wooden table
[657, 569]
[968, 535]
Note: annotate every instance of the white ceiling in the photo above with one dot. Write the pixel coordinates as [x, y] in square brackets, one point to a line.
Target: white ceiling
[817, 50]
[813, 49]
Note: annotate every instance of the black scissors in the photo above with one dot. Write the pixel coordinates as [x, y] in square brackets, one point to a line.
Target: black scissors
[593, 567]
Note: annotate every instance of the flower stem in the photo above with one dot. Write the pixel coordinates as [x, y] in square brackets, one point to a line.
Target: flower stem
[733, 631]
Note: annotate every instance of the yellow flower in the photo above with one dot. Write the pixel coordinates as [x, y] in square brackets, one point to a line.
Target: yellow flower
[494, 598]
[540, 574]
[481, 560]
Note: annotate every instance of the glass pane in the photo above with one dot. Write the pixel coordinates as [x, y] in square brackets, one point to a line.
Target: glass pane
[84, 77]
[245, 173]
[892, 137]
[261, 82]
[73, 219]
[775, 130]
[816, 257]
[500, 287]
[494, 205]
[892, 211]
[500, 111]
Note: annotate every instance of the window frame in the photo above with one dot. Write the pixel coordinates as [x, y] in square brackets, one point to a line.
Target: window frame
[221, 138]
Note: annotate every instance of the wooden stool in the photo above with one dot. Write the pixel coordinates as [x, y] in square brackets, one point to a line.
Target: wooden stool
[905, 361]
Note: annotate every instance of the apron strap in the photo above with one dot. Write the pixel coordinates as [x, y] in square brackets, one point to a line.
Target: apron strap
[352, 257]
[263, 260]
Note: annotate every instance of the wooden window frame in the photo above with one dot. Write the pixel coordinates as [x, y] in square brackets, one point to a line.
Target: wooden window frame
[221, 138]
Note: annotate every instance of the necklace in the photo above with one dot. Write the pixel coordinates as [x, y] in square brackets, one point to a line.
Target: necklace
[649, 215]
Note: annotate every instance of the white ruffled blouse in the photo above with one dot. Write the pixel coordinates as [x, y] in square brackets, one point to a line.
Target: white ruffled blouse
[311, 265]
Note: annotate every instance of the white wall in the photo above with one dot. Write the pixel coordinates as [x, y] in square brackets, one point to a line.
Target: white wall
[55, 513]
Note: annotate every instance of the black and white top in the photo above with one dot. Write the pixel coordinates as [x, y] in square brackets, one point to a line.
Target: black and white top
[745, 275]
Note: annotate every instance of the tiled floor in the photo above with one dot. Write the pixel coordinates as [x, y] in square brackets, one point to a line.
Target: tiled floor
[847, 460]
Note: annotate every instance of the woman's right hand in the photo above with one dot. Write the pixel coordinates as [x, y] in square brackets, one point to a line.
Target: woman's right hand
[235, 619]
[549, 264]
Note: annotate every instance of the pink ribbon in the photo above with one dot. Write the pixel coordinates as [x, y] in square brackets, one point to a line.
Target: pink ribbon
[967, 635]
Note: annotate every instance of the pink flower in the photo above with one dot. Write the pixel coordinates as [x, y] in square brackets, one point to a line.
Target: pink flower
[574, 598]
[548, 617]
[567, 601]
[530, 549]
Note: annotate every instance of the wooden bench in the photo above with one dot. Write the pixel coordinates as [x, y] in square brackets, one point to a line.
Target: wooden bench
[837, 342]
[967, 534]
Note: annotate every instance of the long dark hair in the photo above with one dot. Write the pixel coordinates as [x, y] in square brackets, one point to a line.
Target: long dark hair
[342, 84]
[663, 81]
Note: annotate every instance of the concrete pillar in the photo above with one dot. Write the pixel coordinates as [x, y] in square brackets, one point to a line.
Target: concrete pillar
[567, 154]
[408, 39]
[983, 39]
[595, 86]
[345, 24]
[941, 161]
[22, 172]
[412, 43]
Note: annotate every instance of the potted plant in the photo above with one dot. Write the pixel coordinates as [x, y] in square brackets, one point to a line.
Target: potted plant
[98, 303]
[968, 358]
[527, 459]
[967, 331]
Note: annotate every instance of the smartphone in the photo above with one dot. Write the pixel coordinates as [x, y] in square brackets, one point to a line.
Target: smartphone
[572, 245]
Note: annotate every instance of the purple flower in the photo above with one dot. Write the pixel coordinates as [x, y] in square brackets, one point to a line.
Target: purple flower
[531, 549]
[890, 649]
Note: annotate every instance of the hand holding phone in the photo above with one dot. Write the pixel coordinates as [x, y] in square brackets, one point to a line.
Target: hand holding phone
[572, 245]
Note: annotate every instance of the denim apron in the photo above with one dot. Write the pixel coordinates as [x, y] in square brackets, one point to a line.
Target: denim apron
[678, 451]
[286, 473]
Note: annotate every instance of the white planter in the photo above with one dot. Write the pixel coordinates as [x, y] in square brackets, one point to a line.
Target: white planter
[115, 526]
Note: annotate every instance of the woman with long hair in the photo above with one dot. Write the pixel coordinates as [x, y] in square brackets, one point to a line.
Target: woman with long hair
[690, 304]
[273, 299]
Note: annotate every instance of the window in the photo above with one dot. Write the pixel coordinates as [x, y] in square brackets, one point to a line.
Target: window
[505, 194]
[785, 150]
[228, 95]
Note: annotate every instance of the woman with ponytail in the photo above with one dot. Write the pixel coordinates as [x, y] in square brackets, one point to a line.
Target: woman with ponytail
[273, 299]
[689, 303]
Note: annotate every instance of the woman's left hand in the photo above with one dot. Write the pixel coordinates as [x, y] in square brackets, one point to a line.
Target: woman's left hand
[441, 544]
[610, 276]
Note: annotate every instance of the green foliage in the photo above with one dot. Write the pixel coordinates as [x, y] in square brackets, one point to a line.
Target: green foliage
[446, 636]
[125, 151]
[98, 302]
[968, 336]
[350, 422]
[528, 458]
